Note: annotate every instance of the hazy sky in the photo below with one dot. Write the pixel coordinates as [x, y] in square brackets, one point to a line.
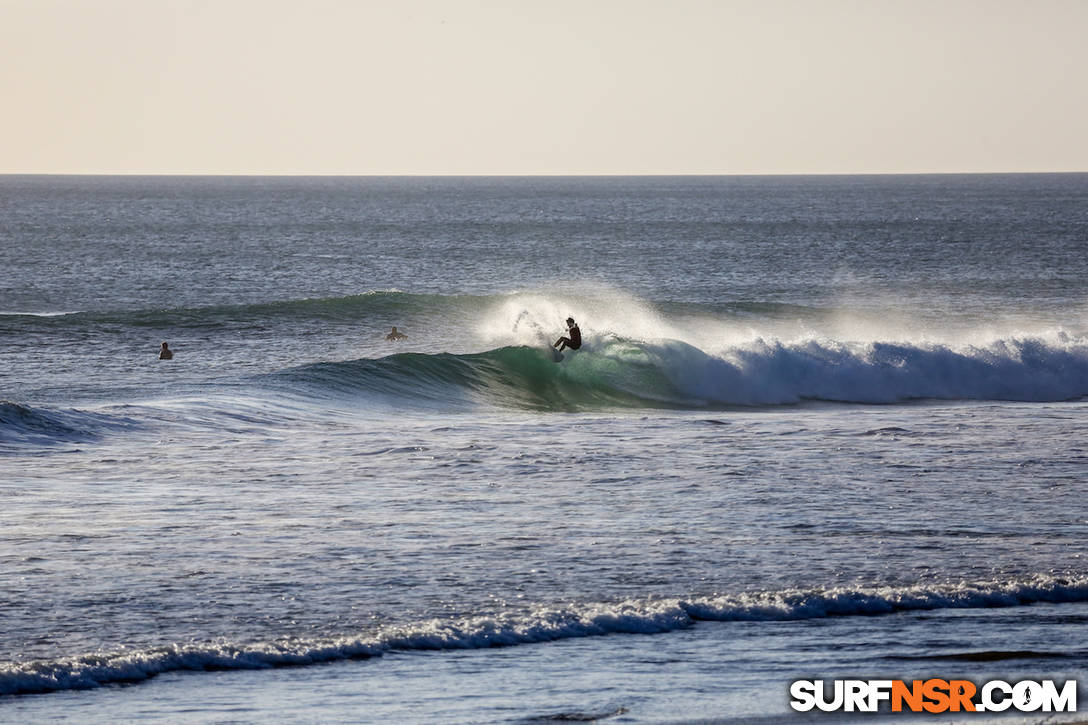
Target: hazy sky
[542, 86]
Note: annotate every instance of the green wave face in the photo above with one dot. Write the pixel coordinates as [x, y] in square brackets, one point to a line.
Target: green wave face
[617, 374]
[519, 377]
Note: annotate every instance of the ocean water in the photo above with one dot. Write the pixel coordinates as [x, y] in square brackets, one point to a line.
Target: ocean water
[820, 427]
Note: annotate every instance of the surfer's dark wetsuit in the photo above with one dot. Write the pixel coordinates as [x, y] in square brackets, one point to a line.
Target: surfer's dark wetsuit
[574, 341]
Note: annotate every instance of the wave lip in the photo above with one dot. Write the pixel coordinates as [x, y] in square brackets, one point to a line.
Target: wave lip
[636, 616]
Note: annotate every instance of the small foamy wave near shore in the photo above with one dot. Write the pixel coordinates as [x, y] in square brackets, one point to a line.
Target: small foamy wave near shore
[541, 624]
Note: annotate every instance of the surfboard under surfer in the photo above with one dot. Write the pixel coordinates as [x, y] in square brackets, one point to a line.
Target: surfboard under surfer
[573, 340]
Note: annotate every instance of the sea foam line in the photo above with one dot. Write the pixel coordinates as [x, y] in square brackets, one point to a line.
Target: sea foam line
[636, 616]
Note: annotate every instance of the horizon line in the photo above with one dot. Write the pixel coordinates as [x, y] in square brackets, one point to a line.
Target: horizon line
[135, 174]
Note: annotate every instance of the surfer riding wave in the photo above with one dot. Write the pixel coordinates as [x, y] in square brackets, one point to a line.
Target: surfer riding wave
[573, 340]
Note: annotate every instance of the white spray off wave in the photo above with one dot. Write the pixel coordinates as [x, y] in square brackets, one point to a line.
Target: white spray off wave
[717, 361]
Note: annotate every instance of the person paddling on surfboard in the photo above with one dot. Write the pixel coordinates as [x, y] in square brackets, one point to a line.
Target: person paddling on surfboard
[574, 341]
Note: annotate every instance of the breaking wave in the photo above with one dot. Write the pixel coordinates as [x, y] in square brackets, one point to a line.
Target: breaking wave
[633, 616]
[612, 371]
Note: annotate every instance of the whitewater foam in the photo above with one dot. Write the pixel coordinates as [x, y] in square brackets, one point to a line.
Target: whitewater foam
[774, 372]
[543, 624]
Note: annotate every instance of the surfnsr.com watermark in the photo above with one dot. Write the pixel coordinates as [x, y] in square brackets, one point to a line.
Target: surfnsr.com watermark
[933, 695]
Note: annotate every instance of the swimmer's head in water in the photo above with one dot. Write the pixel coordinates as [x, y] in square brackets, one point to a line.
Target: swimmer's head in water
[570, 320]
